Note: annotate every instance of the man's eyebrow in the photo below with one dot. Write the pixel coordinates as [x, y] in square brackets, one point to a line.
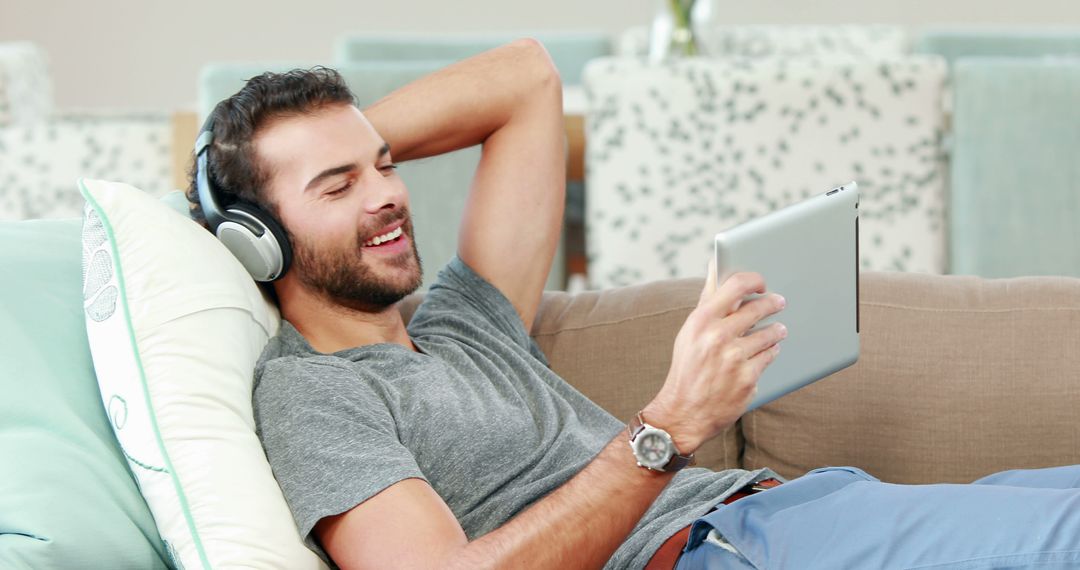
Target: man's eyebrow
[383, 151]
[328, 173]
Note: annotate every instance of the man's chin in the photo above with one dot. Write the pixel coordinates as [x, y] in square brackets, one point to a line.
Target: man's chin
[380, 293]
[370, 285]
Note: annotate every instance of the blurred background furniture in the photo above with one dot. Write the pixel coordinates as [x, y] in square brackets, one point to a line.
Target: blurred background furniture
[680, 151]
[25, 87]
[958, 43]
[1015, 182]
[41, 161]
[570, 51]
[874, 42]
[1015, 175]
[43, 151]
[997, 125]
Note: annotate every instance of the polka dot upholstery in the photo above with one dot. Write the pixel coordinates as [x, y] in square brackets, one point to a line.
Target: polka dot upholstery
[41, 162]
[678, 152]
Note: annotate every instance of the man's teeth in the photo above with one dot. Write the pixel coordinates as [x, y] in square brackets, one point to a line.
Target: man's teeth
[383, 238]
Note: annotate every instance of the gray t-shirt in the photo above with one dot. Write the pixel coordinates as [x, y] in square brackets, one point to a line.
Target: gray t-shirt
[477, 414]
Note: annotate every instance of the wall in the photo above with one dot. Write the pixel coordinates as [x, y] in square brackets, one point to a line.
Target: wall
[147, 53]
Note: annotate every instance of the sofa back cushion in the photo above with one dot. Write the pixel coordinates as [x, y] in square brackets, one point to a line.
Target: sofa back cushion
[67, 499]
[959, 377]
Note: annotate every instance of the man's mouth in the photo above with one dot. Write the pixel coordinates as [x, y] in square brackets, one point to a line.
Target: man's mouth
[388, 237]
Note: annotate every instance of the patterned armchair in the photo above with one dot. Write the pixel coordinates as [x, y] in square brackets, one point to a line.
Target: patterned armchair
[678, 152]
[43, 153]
[40, 162]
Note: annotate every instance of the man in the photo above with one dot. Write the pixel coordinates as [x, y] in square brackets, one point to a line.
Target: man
[450, 444]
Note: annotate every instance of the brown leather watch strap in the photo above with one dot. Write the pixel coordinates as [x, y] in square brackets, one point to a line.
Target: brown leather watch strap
[677, 462]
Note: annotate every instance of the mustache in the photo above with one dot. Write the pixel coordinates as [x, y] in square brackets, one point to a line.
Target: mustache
[385, 219]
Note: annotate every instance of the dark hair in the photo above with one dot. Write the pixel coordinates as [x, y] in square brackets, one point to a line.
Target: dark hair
[232, 167]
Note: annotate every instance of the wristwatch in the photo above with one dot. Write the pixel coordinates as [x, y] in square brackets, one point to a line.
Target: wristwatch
[653, 447]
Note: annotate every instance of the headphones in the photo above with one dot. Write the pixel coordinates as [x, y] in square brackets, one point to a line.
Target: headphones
[248, 231]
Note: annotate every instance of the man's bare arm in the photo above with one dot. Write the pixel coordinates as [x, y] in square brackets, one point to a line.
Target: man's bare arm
[713, 376]
[510, 100]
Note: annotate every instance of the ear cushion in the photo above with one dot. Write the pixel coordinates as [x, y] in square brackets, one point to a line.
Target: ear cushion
[271, 225]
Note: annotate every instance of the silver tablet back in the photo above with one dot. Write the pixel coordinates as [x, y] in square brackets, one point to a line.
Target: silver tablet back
[807, 252]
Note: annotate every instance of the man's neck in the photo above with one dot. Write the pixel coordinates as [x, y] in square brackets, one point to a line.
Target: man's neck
[330, 327]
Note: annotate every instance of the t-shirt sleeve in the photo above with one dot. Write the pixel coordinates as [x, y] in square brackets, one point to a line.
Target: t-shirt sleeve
[329, 437]
[460, 299]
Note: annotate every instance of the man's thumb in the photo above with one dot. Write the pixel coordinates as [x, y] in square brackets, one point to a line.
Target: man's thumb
[710, 281]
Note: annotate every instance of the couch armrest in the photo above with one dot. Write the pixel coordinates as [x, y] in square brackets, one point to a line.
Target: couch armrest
[959, 377]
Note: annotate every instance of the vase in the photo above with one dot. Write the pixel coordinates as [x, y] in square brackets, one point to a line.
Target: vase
[676, 27]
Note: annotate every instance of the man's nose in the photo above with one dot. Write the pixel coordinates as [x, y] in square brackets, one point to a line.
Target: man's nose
[383, 192]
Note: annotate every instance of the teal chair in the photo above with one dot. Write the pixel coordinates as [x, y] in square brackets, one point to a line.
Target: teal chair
[1015, 174]
[569, 50]
[1015, 189]
[438, 186]
[955, 44]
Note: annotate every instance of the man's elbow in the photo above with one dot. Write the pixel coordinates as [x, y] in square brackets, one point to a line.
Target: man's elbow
[539, 60]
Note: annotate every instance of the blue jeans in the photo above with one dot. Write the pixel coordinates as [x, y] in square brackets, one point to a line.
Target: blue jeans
[840, 518]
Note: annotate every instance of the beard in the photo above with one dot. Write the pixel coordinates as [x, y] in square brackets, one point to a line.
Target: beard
[344, 277]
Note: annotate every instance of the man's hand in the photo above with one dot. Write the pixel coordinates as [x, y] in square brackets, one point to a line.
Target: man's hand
[716, 364]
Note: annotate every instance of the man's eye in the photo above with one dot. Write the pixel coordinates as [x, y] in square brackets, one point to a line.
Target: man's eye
[388, 169]
[337, 190]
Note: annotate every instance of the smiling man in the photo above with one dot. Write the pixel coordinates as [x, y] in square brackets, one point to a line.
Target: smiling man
[450, 443]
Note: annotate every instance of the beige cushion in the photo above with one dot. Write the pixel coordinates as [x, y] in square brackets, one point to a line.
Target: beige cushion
[615, 347]
[958, 377]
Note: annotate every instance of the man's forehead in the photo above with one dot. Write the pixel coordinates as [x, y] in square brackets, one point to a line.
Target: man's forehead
[295, 148]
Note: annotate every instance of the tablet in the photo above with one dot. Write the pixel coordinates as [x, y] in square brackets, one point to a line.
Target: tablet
[809, 253]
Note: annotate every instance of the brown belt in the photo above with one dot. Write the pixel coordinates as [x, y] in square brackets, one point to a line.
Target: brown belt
[667, 555]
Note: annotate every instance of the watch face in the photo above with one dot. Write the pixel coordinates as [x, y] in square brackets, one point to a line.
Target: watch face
[654, 450]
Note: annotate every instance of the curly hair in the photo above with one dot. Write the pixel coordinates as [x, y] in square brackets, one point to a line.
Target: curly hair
[232, 165]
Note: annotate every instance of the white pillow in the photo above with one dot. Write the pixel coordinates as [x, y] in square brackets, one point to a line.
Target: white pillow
[175, 326]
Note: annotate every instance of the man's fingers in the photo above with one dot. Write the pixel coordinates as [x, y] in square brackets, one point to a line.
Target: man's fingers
[764, 339]
[753, 311]
[763, 359]
[729, 294]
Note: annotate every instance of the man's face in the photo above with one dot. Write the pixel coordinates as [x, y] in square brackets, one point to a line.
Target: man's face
[345, 208]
